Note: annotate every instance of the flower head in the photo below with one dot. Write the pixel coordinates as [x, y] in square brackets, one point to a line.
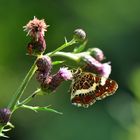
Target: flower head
[97, 67]
[52, 82]
[92, 61]
[5, 115]
[65, 73]
[35, 27]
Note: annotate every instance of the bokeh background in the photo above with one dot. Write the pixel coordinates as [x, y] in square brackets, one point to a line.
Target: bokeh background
[111, 25]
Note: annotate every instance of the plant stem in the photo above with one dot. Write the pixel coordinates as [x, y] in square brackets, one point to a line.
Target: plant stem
[22, 87]
[29, 98]
[72, 56]
[62, 47]
[29, 75]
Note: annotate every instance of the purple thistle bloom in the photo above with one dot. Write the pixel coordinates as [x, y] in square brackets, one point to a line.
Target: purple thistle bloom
[92, 61]
[35, 27]
[106, 70]
[65, 73]
[51, 83]
[5, 115]
[95, 66]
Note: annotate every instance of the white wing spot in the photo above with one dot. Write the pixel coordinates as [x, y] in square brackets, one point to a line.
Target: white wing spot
[106, 88]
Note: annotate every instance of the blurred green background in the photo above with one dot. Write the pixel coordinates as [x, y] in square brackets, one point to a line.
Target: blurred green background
[111, 25]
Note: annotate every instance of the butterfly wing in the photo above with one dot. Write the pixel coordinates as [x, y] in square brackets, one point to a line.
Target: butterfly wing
[106, 89]
[82, 93]
[88, 88]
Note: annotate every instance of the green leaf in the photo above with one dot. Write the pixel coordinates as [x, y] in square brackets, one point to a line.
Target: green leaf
[65, 40]
[57, 62]
[80, 48]
[37, 108]
[3, 135]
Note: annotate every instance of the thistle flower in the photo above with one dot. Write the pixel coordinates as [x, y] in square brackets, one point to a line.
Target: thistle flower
[35, 28]
[97, 54]
[5, 115]
[97, 67]
[79, 35]
[44, 65]
[51, 83]
[64, 73]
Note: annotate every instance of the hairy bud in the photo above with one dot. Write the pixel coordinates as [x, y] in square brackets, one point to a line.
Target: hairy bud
[5, 115]
[97, 67]
[79, 35]
[51, 83]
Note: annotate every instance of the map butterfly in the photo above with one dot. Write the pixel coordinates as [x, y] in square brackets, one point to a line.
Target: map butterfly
[87, 88]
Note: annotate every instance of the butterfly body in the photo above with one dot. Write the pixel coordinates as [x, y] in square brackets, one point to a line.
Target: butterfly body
[87, 88]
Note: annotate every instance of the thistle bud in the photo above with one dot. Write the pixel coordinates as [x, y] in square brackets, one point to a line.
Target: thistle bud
[97, 67]
[44, 64]
[97, 54]
[79, 35]
[5, 115]
[50, 84]
[36, 29]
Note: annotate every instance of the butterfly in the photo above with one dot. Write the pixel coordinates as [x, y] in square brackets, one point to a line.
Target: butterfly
[87, 88]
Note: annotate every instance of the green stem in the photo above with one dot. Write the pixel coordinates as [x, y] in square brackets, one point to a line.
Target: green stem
[22, 87]
[62, 47]
[72, 56]
[29, 75]
[29, 98]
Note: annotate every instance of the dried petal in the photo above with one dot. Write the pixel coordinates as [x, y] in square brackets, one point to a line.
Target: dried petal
[35, 27]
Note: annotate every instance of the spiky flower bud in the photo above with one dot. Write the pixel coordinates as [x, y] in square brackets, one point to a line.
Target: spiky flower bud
[97, 54]
[44, 65]
[64, 73]
[97, 67]
[36, 29]
[5, 115]
[79, 35]
[51, 83]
